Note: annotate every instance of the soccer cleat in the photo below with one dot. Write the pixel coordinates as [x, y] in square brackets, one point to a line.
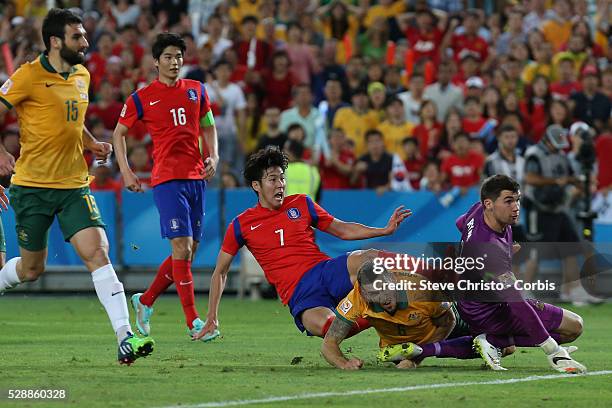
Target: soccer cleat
[132, 347]
[198, 325]
[143, 315]
[562, 362]
[399, 352]
[489, 353]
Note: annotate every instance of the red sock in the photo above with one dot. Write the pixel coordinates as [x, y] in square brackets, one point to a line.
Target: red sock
[360, 325]
[181, 272]
[162, 281]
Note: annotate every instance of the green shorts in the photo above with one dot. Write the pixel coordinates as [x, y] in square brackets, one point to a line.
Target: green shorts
[35, 208]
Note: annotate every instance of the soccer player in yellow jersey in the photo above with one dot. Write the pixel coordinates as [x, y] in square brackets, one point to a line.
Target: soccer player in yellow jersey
[411, 324]
[51, 179]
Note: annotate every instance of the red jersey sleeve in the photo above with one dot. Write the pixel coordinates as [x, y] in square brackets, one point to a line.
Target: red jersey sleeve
[233, 239]
[204, 101]
[319, 218]
[131, 112]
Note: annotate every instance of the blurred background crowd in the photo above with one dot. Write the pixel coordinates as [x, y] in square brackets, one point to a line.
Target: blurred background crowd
[378, 94]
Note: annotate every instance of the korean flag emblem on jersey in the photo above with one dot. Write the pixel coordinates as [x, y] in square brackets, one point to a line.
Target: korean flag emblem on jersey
[192, 95]
[293, 213]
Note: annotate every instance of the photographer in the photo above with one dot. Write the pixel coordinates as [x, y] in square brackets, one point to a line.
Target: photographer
[549, 181]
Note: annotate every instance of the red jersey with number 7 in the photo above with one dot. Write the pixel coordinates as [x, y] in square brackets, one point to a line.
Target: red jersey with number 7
[282, 241]
[172, 116]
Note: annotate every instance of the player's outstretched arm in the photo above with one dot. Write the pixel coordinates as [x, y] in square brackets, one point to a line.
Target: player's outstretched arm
[129, 178]
[217, 285]
[353, 230]
[330, 349]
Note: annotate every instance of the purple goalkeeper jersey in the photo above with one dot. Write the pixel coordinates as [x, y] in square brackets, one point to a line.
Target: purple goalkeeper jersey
[478, 239]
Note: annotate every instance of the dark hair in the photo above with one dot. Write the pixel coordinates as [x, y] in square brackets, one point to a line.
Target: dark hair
[507, 128]
[250, 19]
[222, 62]
[296, 148]
[373, 132]
[471, 99]
[296, 126]
[493, 186]
[164, 40]
[410, 139]
[262, 160]
[461, 135]
[365, 274]
[54, 24]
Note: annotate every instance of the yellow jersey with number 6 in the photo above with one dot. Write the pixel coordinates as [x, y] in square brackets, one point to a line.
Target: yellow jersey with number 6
[51, 110]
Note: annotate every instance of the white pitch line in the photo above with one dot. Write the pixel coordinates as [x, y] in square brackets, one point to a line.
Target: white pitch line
[234, 403]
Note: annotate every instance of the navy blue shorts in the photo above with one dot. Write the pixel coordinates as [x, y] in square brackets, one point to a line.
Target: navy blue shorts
[326, 284]
[181, 208]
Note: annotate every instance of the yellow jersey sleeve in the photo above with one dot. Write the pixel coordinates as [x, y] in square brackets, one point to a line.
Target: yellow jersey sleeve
[352, 306]
[17, 88]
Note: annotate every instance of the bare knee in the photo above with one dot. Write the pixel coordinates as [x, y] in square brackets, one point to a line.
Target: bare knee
[182, 248]
[575, 328]
[29, 271]
[97, 257]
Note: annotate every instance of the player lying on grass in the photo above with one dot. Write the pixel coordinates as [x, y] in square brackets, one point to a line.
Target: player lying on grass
[279, 232]
[410, 324]
[510, 320]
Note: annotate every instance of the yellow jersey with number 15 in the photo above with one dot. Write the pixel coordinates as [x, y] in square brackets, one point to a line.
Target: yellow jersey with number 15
[51, 110]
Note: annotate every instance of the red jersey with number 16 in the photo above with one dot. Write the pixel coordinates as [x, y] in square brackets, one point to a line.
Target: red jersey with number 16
[172, 117]
[282, 241]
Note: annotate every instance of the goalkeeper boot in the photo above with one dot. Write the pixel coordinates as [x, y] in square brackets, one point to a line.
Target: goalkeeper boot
[561, 361]
[132, 348]
[399, 352]
[143, 315]
[198, 325]
[489, 353]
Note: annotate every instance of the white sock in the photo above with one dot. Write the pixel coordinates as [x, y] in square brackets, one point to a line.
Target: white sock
[111, 295]
[549, 346]
[8, 274]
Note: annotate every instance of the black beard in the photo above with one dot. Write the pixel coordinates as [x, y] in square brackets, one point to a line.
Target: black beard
[70, 56]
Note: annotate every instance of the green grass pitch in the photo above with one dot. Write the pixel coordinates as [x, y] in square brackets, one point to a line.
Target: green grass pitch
[66, 343]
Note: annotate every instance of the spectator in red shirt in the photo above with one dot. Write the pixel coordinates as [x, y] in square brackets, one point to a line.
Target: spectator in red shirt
[336, 170]
[603, 147]
[129, 39]
[96, 61]
[469, 42]
[567, 83]
[252, 53]
[425, 37]
[278, 82]
[473, 120]
[535, 109]
[413, 161]
[429, 131]
[107, 107]
[469, 67]
[463, 167]
[104, 181]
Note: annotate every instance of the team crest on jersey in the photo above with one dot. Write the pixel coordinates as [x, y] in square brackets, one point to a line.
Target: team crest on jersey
[6, 87]
[293, 213]
[174, 224]
[414, 316]
[346, 306]
[192, 95]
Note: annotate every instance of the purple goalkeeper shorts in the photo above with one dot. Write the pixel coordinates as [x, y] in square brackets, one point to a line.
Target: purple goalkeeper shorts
[498, 319]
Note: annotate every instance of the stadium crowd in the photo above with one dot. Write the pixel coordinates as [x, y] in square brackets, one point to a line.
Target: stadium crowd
[386, 95]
